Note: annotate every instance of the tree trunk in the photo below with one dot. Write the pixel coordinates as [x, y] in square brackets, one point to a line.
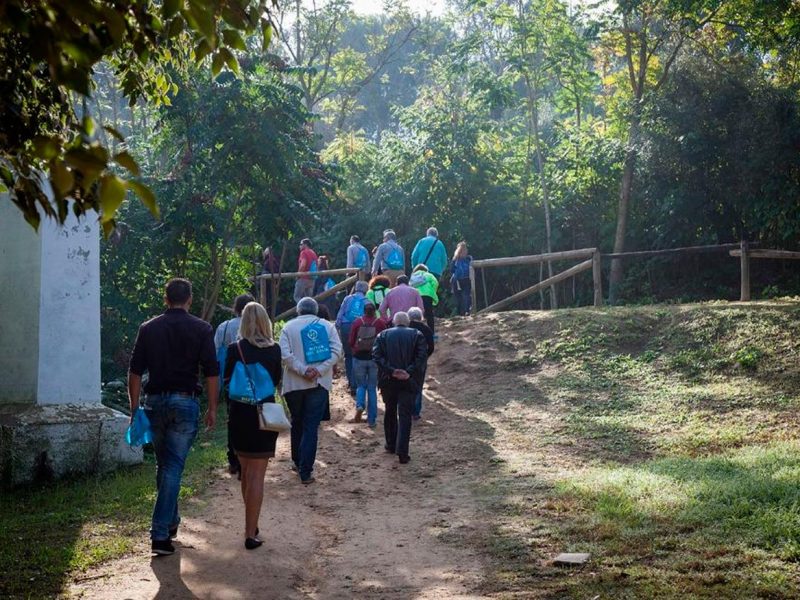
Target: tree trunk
[629, 166]
[543, 182]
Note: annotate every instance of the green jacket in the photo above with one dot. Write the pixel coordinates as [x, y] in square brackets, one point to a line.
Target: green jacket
[376, 296]
[426, 284]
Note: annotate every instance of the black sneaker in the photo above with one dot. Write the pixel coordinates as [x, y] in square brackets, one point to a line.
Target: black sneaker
[163, 547]
[173, 532]
[404, 460]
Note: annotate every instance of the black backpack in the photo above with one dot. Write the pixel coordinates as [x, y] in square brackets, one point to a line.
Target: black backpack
[365, 337]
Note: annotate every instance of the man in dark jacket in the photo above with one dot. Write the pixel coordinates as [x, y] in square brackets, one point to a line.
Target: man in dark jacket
[416, 317]
[401, 354]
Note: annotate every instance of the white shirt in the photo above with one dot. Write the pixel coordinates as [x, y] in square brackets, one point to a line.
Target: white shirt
[294, 364]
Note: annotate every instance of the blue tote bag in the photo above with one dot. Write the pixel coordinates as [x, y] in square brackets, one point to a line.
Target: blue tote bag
[250, 383]
[316, 343]
[139, 432]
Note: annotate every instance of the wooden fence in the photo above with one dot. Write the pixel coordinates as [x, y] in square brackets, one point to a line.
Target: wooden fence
[274, 279]
[592, 259]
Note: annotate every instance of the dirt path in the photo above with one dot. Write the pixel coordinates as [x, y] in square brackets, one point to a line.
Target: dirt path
[368, 528]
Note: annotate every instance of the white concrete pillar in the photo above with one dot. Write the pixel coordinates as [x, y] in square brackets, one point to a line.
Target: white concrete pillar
[51, 419]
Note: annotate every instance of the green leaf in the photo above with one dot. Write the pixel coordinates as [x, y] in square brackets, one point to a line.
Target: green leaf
[217, 63]
[146, 196]
[85, 163]
[61, 178]
[89, 126]
[126, 160]
[175, 27]
[203, 49]
[230, 60]
[233, 39]
[204, 18]
[171, 8]
[112, 193]
[45, 147]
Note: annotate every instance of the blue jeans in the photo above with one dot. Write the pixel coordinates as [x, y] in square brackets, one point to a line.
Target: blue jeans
[462, 290]
[365, 374]
[344, 334]
[174, 421]
[307, 408]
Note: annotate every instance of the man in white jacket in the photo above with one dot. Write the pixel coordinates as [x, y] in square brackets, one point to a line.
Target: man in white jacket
[310, 347]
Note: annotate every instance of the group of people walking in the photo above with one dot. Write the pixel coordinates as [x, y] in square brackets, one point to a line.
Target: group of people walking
[384, 330]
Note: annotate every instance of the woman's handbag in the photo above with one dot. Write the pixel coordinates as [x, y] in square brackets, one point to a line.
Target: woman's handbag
[272, 417]
[139, 432]
[249, 385]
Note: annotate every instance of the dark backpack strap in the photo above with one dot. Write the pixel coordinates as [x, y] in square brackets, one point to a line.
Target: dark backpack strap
[433, 245]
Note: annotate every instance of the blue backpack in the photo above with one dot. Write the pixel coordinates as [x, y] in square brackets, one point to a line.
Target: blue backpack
[313, 269]
[362, 258]
[461, 267]
[395, 260]
[316, 343]
[356, 308]
[222, 352]
[250, 383]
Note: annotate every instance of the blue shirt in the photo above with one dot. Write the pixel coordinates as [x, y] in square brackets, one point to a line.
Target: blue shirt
[437, 261]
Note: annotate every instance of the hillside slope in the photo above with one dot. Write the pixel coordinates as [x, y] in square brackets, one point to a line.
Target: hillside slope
[664, 440]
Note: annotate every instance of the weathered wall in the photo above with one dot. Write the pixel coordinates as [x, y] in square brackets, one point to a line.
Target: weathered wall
[69, 318]
[20, 289]
[52, 422]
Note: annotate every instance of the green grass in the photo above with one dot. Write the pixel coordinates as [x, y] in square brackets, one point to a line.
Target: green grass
[664, 441]
[52, 532]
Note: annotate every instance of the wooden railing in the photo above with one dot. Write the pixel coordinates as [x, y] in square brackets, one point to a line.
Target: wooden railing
[594, 259]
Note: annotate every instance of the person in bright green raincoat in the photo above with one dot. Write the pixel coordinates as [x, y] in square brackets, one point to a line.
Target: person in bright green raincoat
[427, 284]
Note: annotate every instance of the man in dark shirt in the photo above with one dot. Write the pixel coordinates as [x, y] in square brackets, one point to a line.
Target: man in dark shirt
[171, 348]
[401, 355]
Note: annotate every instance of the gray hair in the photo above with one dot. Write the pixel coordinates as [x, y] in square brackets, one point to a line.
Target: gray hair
[389, 233]
[307, 306]
[414, 313]
[400, 319]
[433, 232]
[362, 286]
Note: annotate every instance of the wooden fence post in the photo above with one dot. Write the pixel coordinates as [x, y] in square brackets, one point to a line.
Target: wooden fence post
[597, 277]
[473, 289]
[262, 294]
[745, 264]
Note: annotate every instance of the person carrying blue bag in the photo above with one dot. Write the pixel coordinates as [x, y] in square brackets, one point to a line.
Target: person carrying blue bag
[310, 347]
[351, 309]
[171, 348]
[227, 333]
[390, 258]
[252, 372]
[358, 257]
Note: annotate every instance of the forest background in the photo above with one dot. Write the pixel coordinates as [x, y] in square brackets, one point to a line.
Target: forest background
[520, 127]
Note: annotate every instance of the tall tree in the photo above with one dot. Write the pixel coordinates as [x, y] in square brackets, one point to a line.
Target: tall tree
[48, 53]
[649, 35]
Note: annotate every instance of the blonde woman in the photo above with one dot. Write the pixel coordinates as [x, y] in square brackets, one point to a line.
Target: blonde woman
[460, 282]
[253, 446]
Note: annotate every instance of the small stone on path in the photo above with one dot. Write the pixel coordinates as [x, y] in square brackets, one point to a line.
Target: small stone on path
[571, 559]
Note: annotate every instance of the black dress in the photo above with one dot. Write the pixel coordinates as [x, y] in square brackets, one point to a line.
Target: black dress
[246, 438]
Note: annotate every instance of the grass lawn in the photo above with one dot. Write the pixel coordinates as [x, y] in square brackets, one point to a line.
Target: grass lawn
[51, 533]
[663, 440]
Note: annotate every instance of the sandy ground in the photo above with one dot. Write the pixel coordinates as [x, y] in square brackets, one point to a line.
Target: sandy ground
[368, 528]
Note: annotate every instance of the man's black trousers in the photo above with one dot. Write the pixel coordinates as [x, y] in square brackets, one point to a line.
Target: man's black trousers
[397, 419]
